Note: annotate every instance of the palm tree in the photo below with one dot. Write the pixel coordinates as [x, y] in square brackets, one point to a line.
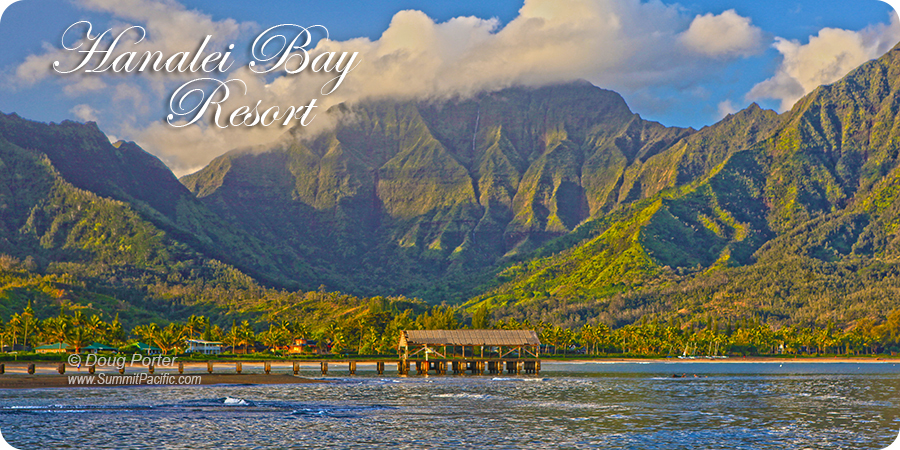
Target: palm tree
[79, 337]
[95, 325]
[299, 331]
[57, 329]
[245, 335]
[371, 340]
[274, 337]
[193, 325]
[28, 323]
[14, 322]
[233, 336]
[78, 319]
[114, 332]
[169, 337]
[146, 332]
[4, 333]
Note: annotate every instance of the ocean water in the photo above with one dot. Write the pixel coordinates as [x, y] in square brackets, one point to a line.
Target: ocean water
[631, 406]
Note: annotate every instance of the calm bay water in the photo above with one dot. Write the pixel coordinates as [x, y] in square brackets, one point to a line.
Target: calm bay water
[635, 406]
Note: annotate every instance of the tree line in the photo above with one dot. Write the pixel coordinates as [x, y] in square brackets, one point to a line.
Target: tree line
[376, 330]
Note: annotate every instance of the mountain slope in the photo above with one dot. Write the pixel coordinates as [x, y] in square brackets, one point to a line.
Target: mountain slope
[91, 233]
[786, 217]
[81, 155]
[403, 196]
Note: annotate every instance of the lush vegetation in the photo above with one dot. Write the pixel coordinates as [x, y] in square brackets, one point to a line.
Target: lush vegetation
[375, 331]
[790, 219]
[553, 207]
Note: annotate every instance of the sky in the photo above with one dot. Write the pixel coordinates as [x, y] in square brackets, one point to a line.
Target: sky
[683, 63]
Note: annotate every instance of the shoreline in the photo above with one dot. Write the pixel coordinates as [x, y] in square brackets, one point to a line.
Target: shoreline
[47, 378]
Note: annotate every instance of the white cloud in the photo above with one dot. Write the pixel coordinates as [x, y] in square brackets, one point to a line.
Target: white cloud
[170, 28]
[620, 44]
[84, 85]
[826, 58]
[726, 107]
[130, 93]
[189, 149]
[624, 45]
[727, 34]
[84, 112]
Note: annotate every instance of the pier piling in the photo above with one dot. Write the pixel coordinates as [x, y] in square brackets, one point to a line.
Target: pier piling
[238, 367]
[31, 369]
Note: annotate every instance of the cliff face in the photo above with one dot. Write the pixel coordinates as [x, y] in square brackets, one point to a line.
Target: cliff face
[405, 192]
[783, 216]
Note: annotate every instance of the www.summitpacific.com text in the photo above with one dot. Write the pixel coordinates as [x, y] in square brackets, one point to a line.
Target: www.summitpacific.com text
[138, 378]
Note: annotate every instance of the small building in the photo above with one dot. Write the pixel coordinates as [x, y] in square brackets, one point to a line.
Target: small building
[97, 347]
[147, 349]
[203, 347]
[58, 347]
[304, 346]
[413, 342]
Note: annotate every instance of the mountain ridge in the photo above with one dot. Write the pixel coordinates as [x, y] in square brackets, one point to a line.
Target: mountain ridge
[453, 184]
[555, 203]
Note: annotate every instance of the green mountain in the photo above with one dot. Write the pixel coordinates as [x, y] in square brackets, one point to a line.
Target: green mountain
[555, 203]
[792, 218]
[86, 222]
[416, 198]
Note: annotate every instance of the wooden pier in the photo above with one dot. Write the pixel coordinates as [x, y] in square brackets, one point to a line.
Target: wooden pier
[404, 367]
[421, 352]
[326, 367]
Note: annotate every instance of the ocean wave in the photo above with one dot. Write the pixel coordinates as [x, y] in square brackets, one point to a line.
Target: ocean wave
[463, 395]
[235, 401]
[337, 412]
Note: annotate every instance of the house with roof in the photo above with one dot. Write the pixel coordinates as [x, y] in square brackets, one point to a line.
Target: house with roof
[144, 348]
[300, 346]
[97, 347]
[57, 347]
[203, 347]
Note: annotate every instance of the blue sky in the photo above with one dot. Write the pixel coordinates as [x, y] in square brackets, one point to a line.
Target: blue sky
[680, 63]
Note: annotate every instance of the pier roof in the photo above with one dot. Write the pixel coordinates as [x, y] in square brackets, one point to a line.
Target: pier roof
[469, 337]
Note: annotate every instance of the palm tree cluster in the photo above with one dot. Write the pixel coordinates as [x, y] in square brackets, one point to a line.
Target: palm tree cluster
[77, 330]
[376, 331]
[653, 338]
